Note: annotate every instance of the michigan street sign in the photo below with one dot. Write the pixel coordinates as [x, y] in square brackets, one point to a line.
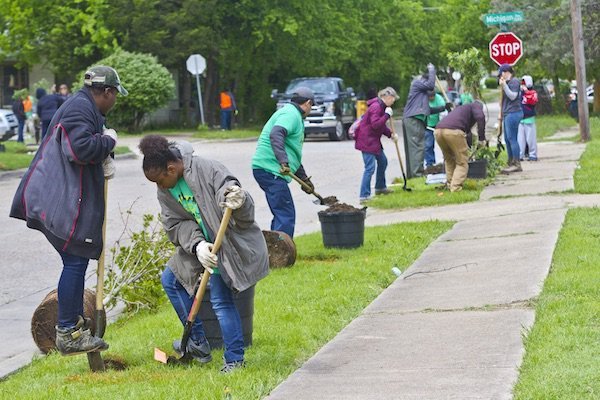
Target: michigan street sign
[503, 18]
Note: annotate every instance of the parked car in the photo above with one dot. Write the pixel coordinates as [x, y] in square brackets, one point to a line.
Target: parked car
[8, 122]
[334, 109]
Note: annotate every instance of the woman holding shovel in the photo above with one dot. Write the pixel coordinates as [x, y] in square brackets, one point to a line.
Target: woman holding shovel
[368, 141]
[192, 192]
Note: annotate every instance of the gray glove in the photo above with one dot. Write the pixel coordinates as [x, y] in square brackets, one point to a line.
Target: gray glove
[109, 167]
[234, 197]
[205, 255]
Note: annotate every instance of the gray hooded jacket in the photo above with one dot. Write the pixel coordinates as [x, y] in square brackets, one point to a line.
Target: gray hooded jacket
[243, 256]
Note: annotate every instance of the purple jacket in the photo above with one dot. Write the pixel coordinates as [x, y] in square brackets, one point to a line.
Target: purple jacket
[371, 127]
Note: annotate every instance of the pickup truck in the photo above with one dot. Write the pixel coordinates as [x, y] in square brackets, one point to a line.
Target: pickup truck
[334, 109]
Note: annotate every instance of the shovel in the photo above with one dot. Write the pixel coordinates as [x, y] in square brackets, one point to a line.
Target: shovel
[95, 358]
[320, 199]
[405, 188]
[184, 357]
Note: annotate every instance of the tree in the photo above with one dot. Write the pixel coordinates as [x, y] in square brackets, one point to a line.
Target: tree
[150, 86]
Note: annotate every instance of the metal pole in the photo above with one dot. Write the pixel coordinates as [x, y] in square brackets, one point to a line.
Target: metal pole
[584, 123]
[200, 98]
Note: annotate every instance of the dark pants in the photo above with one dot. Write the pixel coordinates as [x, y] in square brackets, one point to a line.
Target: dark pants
[414, 143]
[70, 289]
[280, 201]
[20, 131]
[429, 148]
[45, 125]
[226, 119]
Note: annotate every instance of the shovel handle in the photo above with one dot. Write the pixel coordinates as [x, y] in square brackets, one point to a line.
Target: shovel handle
[304, 185]
[439, 85]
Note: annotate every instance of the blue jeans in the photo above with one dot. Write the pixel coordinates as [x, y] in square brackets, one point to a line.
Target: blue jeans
[370, 160]
[70, 289]
[222, 303]
[511, 133]
[429, 148]
[279, 199]
[20, 131]
[226, 120]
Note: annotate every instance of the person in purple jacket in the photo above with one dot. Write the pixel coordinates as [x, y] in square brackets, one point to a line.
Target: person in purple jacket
[368, 141]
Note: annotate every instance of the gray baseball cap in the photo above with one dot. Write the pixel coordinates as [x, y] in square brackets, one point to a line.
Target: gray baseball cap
[101, 75]
[304, 92]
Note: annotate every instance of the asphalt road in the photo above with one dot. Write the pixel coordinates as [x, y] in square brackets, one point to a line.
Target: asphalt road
[30, 267]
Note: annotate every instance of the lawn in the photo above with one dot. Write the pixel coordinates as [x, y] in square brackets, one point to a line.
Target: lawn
[16, 156]
[587, 179]
[547, 125]
[297, 311]
[562, 359]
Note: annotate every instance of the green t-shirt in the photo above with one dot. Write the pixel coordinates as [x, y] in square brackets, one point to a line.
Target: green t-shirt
[530, 120]
[184, 196]
[466, 98]
[433, 119]
[287, 117]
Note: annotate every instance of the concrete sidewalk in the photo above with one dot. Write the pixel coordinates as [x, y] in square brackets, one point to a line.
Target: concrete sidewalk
[451, 326]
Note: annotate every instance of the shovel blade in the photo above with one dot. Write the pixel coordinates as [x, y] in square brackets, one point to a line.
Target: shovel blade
[95, 361]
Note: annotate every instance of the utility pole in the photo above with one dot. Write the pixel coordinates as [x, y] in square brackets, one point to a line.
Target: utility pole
[582, 106]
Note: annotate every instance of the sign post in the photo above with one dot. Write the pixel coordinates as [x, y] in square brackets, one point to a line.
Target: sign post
[196, 64]
[506, 48]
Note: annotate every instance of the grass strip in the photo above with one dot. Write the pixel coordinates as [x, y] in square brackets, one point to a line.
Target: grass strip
[297, 311]
[15, 156]
[562, 351]
[586, 178]
[548, 125]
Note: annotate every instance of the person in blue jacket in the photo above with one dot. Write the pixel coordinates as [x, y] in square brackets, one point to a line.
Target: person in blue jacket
[62, 196]
[46, 107]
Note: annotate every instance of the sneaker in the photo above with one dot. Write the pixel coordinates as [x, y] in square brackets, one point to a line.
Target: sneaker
[78, 340]
[532, 159]
[199, 352]
[363, 200]
[231, 366]
[383, 191]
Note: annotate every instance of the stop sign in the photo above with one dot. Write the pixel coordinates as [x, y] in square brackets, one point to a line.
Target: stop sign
[506, 48]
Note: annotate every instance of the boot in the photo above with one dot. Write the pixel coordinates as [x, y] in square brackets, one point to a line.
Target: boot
[199, 351]
[517, 166]
[78, 340]
[509, 167]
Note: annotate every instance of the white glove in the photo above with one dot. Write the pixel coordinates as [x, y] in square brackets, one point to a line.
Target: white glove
[389, 111]
[234, 197]
[205, 255]
[394, 137]
[111, 133]
[109, 167]
[430, 66]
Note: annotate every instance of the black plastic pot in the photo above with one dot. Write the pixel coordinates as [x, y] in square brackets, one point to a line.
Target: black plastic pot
[345, 229]
[477, 169]
[244, 301]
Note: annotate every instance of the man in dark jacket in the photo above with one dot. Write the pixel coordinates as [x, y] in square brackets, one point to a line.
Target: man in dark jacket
[19, 110]
[62, 195]
[453, 135]
[46, 107]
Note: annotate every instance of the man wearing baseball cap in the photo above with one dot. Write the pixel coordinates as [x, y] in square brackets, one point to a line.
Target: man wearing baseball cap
[62, 195]
[279, 152]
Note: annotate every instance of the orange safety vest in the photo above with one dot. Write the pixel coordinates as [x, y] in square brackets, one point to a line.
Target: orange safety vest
[27, 105]
[225, 101]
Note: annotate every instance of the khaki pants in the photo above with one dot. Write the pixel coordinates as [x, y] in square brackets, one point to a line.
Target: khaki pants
[453, 143]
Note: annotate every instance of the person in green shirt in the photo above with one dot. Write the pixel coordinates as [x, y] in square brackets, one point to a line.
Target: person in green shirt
[436, 106]
[279, 152]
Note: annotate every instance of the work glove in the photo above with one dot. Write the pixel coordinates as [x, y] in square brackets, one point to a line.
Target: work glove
[109, 167]
[482, 144]
[235, 112]
[111, 133]
[394, 137]
[205, 255]
[234, 197]
[449, 106]
[310, 188]
[285, 169]
[430, 66]
[389, 111]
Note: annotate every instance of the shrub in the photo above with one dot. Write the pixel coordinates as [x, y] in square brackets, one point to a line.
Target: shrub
[133, 277]
[150, 86]
[491, 82]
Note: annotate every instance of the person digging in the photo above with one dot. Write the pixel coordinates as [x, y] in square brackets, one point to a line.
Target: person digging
[62, 195]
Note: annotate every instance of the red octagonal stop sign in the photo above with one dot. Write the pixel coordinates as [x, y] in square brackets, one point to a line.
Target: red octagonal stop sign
[506, 48]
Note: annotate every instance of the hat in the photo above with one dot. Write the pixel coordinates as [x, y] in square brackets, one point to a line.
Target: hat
[101, 75]
[504, 68]
[302, 92]
[527, 80]
[388, 91]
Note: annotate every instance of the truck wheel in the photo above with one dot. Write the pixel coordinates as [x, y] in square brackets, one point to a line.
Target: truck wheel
[339, 133]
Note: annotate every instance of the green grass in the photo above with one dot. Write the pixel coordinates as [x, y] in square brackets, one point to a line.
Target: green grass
[423, 195]
[122, 150]
[297, 311]
[586, 178]
[232, 134]
[16, 156]
[562, 359]
[548, 125]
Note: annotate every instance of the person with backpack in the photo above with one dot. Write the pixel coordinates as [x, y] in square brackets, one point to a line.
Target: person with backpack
[368, 141]
[527, 128]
